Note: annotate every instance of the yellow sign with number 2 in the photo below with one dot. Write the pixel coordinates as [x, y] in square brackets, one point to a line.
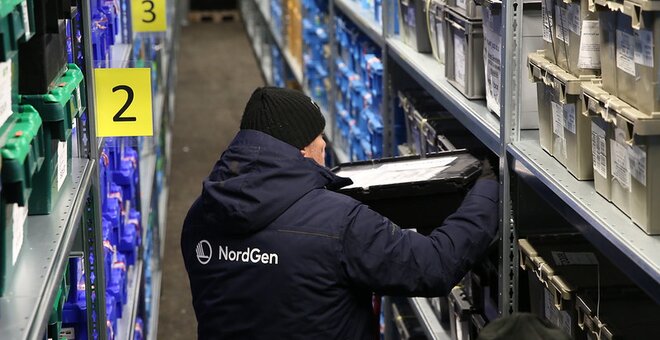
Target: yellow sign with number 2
[123, 102]
[149, 15]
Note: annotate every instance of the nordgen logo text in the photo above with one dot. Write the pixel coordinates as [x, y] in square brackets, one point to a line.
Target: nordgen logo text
[249, 255]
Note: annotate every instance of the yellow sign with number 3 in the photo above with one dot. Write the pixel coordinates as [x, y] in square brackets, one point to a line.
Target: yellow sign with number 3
[123, 102]
[149, 15]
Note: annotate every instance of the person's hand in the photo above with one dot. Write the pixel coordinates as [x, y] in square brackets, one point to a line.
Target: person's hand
[487, 170]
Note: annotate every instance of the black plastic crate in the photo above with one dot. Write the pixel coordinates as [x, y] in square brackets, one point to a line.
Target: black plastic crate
[42, 60]
[434, 194]
[212, 5]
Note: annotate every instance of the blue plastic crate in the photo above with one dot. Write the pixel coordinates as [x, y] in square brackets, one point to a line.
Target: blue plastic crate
[375, 128]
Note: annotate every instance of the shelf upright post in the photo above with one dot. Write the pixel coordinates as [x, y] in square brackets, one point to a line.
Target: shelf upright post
[92, 234]
[386, 105]
[509, 132]
[332, 95]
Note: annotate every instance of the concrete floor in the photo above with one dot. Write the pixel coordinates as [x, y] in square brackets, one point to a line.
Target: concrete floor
[217, 73]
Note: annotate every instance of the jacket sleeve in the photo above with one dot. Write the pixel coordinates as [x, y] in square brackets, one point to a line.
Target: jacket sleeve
[379, 256]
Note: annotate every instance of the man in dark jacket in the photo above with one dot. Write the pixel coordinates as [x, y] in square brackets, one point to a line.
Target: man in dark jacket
[271, 253]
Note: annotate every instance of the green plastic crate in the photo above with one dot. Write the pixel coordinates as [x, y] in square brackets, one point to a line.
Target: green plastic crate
[62, 105]
[22, 156]
[16, 26]
[52, 176]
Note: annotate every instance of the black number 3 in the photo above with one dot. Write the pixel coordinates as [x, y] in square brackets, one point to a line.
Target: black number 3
[129, 101]
[150, 11]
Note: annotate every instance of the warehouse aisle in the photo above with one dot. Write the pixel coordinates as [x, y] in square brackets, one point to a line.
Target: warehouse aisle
[217, 73]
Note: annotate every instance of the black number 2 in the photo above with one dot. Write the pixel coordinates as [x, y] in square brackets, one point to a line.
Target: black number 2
[150, 11]
[129, 101]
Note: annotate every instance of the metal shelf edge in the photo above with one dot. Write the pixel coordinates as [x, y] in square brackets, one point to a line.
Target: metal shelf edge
[126, 325]
[363, 19]
[147, 177]
[603, 217]
[429, 73]
[428, 320]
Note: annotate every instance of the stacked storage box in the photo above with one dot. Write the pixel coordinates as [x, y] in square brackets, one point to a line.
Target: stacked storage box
[435, 12]
[316, 49]
[431, 128]
[625, 111]
[464, 61]
[122, 231]
[566, 278]
[358, 77]
[531, 41]
[74, 313]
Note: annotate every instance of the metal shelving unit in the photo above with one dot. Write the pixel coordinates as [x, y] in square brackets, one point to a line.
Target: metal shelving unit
[363, 19]
[292, 63]
[600, 221]
[126, 325]
[48, 240]
[428, 319]
[473, 114]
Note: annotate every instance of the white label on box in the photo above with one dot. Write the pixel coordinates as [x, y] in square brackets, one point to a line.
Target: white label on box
[19, 216]
[78, 100]
[68, 333]
[569, 117]
[440, 35]
[462, 4]
[599, 149]
[562, 24]
[26, 19]
[625, 52]
[620, 164]
[493, 66]
[638, 163]
[459, 59]
[546, 16]
[62, 155]
[557, 120]
[644, 47]
[5, 91]
[574, 17]
[574, 259]
[589, 57]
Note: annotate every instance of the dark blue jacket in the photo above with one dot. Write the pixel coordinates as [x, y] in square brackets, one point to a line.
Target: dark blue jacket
[272, 254]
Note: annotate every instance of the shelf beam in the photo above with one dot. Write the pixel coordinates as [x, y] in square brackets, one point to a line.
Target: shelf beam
[428, 319]
[363, 19]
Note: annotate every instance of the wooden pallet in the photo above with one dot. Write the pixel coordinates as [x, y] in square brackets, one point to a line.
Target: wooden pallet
[213, 16]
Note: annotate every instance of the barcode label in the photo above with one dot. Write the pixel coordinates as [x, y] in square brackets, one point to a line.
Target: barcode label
[557, 120]
[589, 57]
[546, 16]
[459, 59]
[563, 24]
[62, 155]
[599, 149]
[574, 17]
[19, 216]
[569, 117]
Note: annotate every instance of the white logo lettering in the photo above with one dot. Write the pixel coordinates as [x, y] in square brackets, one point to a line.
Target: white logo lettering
[204, 252]
[249, 255]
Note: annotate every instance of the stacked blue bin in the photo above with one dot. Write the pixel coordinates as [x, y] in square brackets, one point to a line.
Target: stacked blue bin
[359, 80]
[121, 221]
[315, 42]
[74, 313]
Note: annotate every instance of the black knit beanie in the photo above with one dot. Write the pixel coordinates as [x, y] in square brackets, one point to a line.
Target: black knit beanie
[285, 114]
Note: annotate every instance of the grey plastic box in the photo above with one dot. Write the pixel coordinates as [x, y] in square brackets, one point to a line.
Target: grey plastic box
[436, 25]
[464, 62]
[564, 131]
[570, 34]
[467, 8]
[531, 41]
[413, 25]
[630, 33]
